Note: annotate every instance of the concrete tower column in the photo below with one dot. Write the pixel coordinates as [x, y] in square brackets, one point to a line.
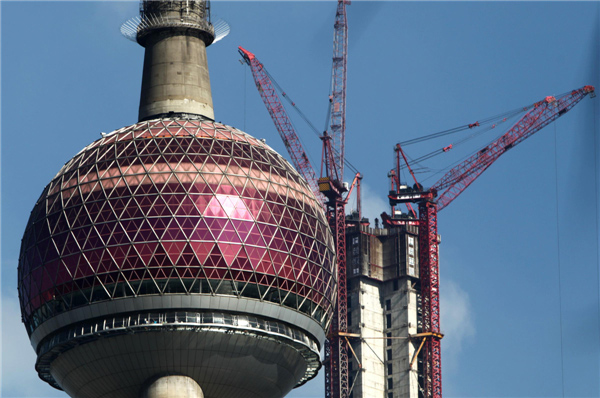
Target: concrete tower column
[175, 79]
[173, 386]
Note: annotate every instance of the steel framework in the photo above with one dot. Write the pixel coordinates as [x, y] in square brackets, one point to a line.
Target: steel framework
[449, 187]
[338, 89]
[282, 122]
[336, 351]
[336, 346]
[430, 298]
[543, 113]
[330, 185]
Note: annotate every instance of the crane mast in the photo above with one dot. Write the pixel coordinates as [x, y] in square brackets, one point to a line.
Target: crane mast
[331, 185]
[330, 190]
[449, 187]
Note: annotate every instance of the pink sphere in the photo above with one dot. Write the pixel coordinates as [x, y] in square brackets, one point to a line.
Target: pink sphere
[170, 208]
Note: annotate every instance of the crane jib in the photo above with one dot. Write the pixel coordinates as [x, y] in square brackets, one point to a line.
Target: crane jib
[450, 186]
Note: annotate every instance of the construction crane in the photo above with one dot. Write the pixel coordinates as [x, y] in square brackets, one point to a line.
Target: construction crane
[282, 122]
[337, 99]
[330, 190]
[331, 185]
[440, 195]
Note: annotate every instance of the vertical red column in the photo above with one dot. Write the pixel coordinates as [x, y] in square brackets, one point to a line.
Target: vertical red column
[430, 298]
[336, 348]
[336, 381]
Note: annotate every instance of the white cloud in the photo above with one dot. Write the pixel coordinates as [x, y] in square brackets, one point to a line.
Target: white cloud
[372, 203]
[456, 321]
[19, 378]
[117, 10]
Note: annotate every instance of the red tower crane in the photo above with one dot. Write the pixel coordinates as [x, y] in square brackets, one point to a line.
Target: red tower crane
[282, 121]
[330, 185]
[448, 188]
[338, 90]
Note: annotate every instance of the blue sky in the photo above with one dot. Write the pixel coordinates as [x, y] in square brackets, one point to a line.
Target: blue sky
[414, 68]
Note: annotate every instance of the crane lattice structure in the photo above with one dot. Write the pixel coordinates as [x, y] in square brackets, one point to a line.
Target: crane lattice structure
[282, 121]
[330, 186]
[330, 189]
[440, 195]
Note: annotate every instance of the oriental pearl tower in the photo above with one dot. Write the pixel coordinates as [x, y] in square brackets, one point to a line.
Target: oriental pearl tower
[177, 257]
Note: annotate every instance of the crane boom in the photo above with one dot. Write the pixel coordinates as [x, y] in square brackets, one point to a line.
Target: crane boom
[282, 121]
[544, 112]
[452, 185]
[338, 90]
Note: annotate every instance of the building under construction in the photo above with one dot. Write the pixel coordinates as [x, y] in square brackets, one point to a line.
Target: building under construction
[383, 303]
[374, 344]
[198, 259]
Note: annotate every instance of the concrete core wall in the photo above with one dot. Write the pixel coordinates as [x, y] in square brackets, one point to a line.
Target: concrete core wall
[400, 312]
[383, 309]
[367, 320]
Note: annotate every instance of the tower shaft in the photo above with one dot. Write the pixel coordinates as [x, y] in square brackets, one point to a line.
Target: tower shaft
[175, 79]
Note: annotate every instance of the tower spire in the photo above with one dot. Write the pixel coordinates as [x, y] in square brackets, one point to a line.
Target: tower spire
[175, 79]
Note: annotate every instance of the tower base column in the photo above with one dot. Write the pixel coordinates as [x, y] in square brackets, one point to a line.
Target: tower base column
[172, 386]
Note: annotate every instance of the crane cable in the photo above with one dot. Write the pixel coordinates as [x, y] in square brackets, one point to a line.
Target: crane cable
[597, 213]
[560, 310]
[245, 95]
[454, 130]
[292, 103]
[498, 119]
[487, 120]
[505, 117]
[597, 239]
[508, 116]
[304, 117]
[440, 151]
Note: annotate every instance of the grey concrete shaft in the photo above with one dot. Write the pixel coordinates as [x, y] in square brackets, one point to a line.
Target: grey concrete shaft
[173, 387]
[175, 77]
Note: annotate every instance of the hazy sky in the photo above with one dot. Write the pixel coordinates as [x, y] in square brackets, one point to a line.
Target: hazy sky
[519, 251]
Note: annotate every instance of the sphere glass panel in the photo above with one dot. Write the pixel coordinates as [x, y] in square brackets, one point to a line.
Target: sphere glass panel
[176, 206]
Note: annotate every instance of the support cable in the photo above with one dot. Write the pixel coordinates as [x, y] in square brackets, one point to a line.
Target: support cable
[424, 169]
[245, 95]
[293, 104]
[459, 142]
[597, 210]
[499, 118]
[418, 383]
[562, 365]
[454, 130]
[445, 169]
[380, 360]
[360, 368]
[305, 118]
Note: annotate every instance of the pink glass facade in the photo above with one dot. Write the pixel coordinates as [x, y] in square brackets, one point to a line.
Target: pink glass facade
[176, 207]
